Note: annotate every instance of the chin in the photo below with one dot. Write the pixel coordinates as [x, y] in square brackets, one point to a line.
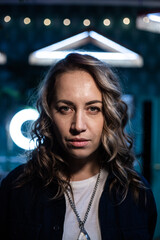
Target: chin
[81, 154]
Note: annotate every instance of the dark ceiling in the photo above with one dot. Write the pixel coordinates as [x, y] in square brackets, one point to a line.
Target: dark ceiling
[144, 3]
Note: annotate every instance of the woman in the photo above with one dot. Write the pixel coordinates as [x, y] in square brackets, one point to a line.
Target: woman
[79, 181]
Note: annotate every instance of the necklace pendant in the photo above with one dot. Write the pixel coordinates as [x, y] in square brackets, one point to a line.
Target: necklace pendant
[83, 235]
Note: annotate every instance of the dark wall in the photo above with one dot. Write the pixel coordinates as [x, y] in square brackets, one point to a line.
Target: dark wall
[18, 79]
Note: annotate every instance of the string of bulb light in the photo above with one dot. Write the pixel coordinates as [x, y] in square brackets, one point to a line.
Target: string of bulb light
[67, 21]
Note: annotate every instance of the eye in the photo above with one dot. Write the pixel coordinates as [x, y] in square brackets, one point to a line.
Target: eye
[64, 109]
[94, 109]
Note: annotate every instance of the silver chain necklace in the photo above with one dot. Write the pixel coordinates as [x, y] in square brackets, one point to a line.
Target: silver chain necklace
[83, 235]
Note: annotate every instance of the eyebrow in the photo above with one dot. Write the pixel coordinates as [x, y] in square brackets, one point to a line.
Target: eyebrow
[71, 103]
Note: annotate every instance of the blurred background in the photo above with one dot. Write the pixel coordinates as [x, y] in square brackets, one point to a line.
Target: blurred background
[28, 26]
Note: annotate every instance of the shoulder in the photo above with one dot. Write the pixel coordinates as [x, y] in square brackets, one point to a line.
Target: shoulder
[140, 213]
[7, 186]
[146, 197]
[143, 209]
[12, 175]
[144, 201]
[145, 193]
[30, 189]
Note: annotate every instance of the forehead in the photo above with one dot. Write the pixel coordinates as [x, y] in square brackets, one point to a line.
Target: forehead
[76, 84]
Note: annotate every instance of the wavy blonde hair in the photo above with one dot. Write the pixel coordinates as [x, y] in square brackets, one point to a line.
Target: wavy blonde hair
[46, 161]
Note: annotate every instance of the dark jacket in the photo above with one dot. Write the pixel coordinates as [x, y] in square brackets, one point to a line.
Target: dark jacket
[25, 215]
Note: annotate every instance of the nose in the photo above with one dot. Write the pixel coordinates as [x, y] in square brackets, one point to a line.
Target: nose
[78, 124]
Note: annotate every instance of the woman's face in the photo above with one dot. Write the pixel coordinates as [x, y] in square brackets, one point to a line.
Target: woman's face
[77, 114]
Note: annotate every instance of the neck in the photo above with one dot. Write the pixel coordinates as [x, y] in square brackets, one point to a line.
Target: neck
[82, 169]
[85, 172]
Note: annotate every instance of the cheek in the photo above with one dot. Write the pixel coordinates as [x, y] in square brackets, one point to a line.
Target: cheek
[98, 127]
[59, 128]
[100, 124]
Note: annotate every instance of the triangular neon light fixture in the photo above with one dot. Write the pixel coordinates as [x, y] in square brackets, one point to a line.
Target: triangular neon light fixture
[149, 22]
[116, 54]
[3, 58]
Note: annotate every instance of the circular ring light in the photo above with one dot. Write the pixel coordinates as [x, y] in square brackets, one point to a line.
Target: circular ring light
[15, 128]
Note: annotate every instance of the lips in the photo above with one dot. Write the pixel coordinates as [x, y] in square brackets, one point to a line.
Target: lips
[78, 142]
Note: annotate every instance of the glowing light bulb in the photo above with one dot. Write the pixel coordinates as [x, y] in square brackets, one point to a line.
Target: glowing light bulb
[126, 21]
[27, 20]
[7, 19]
[47, 22]
[86, 22]
[66, 22]
[146, 19]
[106, 22]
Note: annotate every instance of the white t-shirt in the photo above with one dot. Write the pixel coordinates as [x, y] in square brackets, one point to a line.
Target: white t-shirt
[82, 191]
